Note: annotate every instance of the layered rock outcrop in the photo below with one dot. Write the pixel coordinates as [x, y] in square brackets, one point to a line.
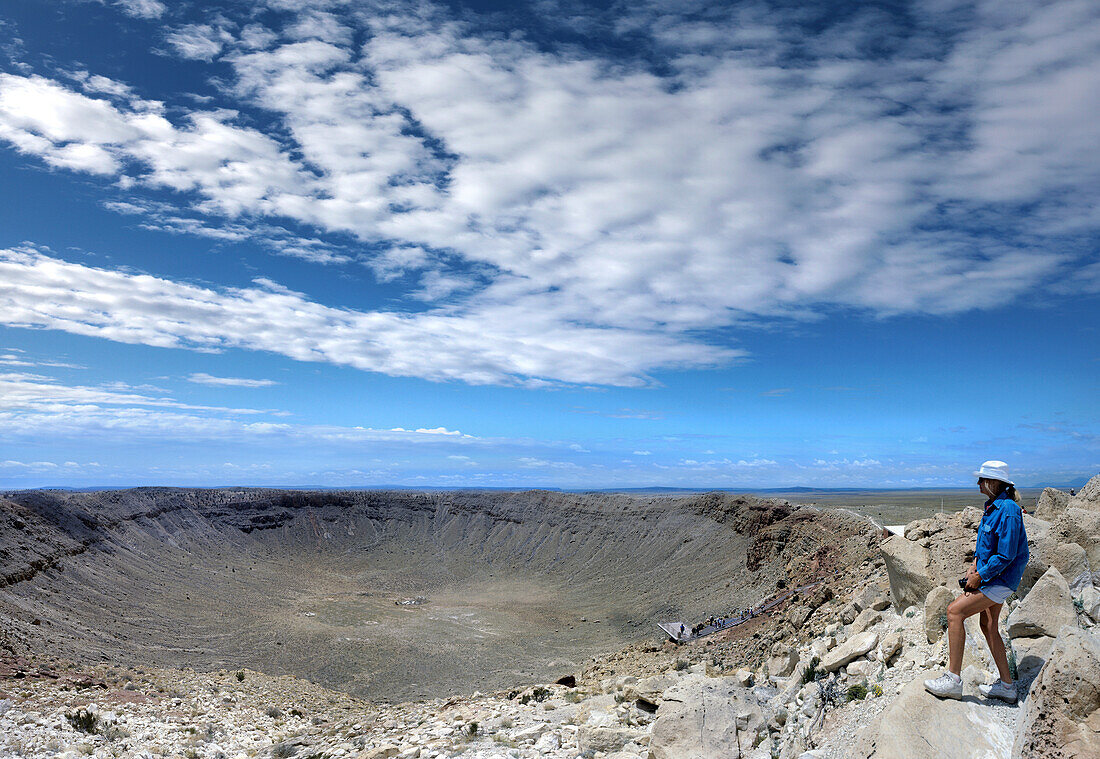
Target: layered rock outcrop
[1061, 716]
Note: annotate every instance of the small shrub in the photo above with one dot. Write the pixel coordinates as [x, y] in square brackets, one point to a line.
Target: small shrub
[471, 729]
[296, 712]
[572, 697]
[113, 732]
[536, 694]
[857, 692]
[943, 621]
[1079, 605]
[831, 695]
[877, 690]
[84, 721]
[680, 665]
[273, 712]
[812, 671]
[282, 750]
[1012, 663]
[240, 675]
[909, 614]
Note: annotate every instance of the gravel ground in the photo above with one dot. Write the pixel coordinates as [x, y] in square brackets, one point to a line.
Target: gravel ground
[922, 660]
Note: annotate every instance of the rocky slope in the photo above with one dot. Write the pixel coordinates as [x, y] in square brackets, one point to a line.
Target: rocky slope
[832, 672]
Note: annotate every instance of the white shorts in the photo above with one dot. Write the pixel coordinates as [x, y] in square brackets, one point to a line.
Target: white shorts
[997, 593]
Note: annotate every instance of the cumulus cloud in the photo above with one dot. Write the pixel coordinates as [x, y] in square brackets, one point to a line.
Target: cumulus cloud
[758, 174]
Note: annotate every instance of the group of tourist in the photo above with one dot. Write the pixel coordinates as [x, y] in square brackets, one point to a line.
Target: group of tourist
[718, 622]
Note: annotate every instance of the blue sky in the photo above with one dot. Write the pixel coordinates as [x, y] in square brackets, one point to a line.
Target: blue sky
[559, 244]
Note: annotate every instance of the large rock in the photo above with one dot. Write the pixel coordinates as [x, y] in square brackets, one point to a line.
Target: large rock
[851, 649]
[704, 717]
[934, 551]
[798, 615]
[889, 647]
[1081, 526]
[648, 691]
[1087, 497]
[783, 661]
[1061, 716]
[1071, 560]
[1040, 546]
[908, 564]
[871, 597]
[606, 739]
[1046, 551]
[381, 752]
[952, 548]
[917, 725]
[1045, 610]
[1090, 602]
[1031, 655]
[867, 618]
[1051, 503]
[935, 611]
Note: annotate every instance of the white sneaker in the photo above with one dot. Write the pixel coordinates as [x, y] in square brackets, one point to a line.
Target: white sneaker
[946, 685]
[1001, 690]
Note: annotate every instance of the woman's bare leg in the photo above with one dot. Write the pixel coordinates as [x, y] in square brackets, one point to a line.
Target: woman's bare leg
[966, 605]
[993, 638]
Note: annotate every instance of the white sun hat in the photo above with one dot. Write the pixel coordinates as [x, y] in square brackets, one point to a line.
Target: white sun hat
[995, 470]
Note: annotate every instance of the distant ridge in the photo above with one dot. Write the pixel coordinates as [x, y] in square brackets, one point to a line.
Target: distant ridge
[798, 489]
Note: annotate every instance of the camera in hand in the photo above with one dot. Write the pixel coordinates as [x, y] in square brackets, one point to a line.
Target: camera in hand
[962, 583]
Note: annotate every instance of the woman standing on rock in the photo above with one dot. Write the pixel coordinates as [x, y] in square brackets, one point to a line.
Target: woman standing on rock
[999, 560]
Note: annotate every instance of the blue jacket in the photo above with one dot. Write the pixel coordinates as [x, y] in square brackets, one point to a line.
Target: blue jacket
[1001, 550]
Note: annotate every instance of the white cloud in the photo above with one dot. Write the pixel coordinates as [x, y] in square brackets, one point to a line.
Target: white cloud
[33, 405]
[35, 465]
[493, 345]
[142, 8]
[198, 41]
[432, 431]
[561, 201]
[202, 378]
[534, 462]
[35, 392]
[20, 358]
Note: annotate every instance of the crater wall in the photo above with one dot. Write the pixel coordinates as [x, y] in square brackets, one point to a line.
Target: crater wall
[502, 588]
